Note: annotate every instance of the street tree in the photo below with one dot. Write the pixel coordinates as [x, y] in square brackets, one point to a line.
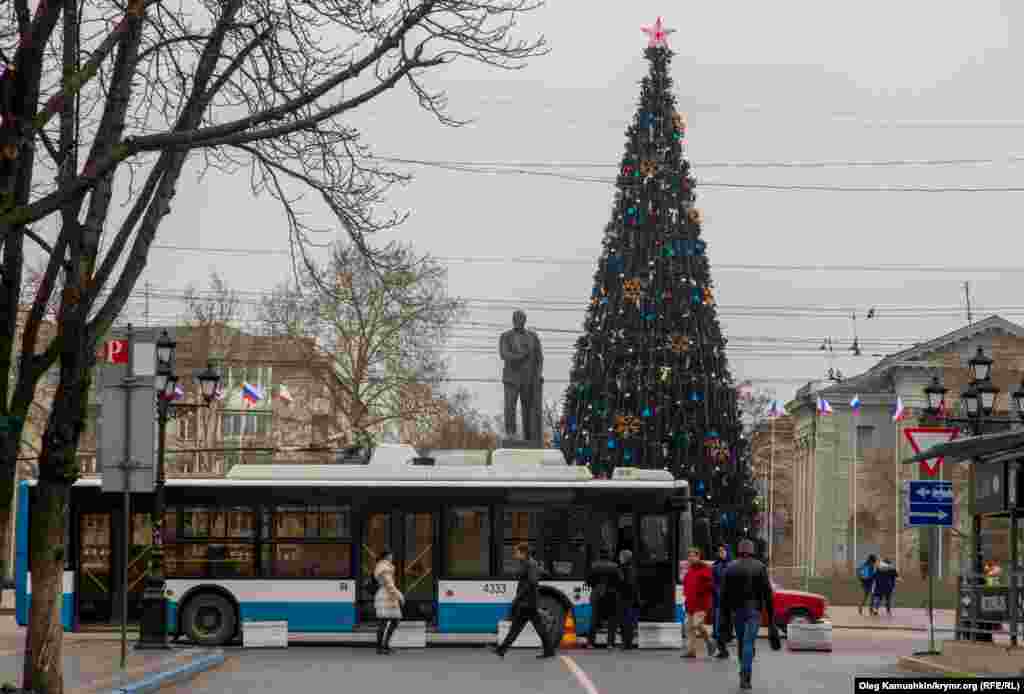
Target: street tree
[380, 324]
[101, 98]
[462, 426]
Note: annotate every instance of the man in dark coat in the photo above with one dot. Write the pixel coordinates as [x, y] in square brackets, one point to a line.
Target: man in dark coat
[885, 583]
[746, 593]
[721, 630]
[604, 580]
[524, 606]
[628, 606]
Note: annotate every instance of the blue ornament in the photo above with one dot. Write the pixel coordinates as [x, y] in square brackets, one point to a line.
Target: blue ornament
[712, 434]
[611, 443]
[628, 455]
[647, 412]
[700, 488]
[646, 119]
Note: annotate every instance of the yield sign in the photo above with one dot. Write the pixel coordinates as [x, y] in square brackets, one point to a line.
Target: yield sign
[923, 438]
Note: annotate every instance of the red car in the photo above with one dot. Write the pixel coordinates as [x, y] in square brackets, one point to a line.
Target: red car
[796, 606]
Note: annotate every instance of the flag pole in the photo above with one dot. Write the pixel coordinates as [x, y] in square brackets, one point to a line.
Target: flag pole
[853, 465]
[771, 486]
[899, 492]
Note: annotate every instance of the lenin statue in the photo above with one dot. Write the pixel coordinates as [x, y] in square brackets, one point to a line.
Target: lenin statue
[522, 375]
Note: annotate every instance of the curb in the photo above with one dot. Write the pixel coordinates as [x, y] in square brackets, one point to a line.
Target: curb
[154, 682]
[924, 666]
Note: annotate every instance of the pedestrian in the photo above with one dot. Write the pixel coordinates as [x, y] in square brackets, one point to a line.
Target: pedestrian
[746, 594]
[605, 578]
[885, 583]
[698, 594]
[524, 605]
[993, 573]
[866, 574]
[387, 602]
[629, 607]
[721, 631]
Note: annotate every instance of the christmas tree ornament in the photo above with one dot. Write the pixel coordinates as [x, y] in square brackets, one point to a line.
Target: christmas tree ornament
[648, 168]
[657, 34]
[695, 215]
[678, 120]
[631, 290]
[680, 344]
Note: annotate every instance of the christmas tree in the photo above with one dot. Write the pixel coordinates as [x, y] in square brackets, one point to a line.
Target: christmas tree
[649, 384]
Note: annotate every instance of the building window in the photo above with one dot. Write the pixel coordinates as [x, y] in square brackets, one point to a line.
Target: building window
[865, 439]
[246, 423]
[260, 376]
[186, 426]
[468, 542]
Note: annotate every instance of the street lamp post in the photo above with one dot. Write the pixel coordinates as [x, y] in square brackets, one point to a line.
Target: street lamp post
[978, 401]
[153, 629]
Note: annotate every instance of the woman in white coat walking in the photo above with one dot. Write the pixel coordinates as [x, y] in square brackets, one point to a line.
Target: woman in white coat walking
[387, 602]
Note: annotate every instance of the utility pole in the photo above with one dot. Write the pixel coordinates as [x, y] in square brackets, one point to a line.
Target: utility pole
[967, 294]
[147, 303]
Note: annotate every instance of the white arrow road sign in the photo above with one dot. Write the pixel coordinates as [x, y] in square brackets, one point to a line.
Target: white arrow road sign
[930, 514]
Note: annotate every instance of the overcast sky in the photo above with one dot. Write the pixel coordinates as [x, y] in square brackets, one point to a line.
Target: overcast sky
[788, 81]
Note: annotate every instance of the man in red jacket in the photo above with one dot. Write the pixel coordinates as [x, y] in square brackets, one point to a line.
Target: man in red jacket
[698, 592]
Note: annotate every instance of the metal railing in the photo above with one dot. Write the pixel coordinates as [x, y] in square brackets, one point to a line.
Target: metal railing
[983, 610]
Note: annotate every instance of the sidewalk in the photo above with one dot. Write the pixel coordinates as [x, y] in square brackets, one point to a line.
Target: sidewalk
[92, 661]
[903, 618]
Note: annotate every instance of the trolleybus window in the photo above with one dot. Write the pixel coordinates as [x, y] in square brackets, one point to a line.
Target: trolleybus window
[520, 525]
[214, 543]
[468, 542]
[565, 550]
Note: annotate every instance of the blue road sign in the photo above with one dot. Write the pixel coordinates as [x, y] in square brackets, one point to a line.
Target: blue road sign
[927, 502]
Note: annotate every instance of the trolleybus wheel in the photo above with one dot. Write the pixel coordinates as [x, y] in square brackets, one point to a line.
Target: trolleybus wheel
[209, 620]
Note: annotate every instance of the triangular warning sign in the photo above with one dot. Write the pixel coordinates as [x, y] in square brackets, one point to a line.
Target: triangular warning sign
[923, 438]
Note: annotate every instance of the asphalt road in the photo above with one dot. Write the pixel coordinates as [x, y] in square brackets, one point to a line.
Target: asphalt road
[478, 671]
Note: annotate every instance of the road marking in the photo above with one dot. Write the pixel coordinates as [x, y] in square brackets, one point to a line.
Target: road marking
[580, 676]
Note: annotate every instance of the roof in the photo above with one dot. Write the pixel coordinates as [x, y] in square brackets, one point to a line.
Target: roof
[869, 381]
[984, 448]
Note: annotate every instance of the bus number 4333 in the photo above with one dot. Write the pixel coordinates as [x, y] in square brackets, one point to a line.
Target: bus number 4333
[495, 588]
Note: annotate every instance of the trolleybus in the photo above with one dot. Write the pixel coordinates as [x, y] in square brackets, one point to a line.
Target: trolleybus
[297, 543]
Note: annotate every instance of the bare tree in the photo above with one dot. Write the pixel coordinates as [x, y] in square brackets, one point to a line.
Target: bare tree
[462, 427]
[92, 111]
[210, 314]
[381, 330]
[754, 409]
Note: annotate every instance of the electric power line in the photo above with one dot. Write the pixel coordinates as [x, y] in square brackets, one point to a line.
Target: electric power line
[592, 262]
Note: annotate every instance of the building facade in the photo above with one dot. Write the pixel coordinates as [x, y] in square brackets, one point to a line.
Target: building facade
[846, 467]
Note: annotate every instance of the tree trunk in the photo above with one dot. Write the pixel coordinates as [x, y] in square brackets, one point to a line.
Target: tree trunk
[58, 470]
[44, 670]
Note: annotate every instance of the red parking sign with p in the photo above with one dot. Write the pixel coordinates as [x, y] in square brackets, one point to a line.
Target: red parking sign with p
[115, 351]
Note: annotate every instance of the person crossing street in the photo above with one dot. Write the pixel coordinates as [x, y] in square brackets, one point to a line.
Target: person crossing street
[747, 592]
[524, 606]
[698, 591]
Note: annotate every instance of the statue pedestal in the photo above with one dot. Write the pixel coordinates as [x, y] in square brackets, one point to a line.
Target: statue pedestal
[519, 443]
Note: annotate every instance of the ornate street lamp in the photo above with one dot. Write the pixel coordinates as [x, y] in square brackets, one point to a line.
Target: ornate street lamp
[1018, 399]
[153, 629]
[165, 348]
[988, 393]
[970, 399]
[208, 382]
[981, 366]
[936, 394]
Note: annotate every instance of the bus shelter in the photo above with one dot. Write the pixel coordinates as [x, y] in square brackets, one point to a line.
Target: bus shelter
[997, 491]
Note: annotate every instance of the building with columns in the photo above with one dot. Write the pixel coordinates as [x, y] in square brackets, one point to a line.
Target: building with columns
[846, 473]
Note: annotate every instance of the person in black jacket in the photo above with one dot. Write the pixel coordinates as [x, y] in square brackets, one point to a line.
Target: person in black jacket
[628, 604]
[524, 606]
[604, 579]
[746, 593]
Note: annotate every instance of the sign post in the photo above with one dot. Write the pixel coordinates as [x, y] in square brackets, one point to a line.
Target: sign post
[929, 504]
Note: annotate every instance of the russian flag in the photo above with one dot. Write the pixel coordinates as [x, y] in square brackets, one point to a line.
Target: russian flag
[824, 408]
[775, 409]
[855, 405]
[179, 392]
[899, 413]
[251, 394]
